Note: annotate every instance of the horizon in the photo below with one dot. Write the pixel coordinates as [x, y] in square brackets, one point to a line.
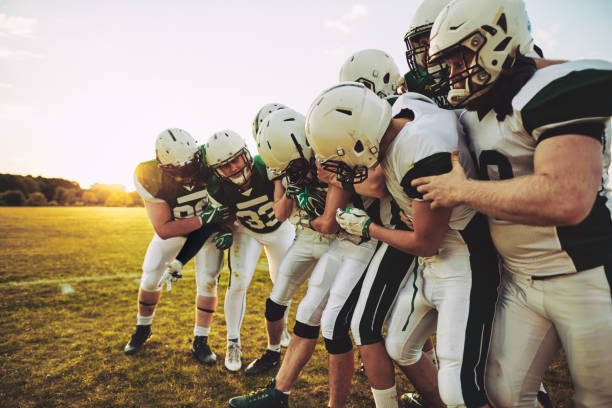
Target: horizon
[87, 86]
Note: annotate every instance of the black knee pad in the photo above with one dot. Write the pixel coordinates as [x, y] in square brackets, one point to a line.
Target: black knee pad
[305, 331]
[338, 346]
[274, 311]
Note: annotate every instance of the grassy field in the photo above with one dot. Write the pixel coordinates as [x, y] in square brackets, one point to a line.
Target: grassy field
[66, 350]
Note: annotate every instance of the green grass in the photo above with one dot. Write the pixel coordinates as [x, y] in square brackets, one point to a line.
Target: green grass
[67, 350]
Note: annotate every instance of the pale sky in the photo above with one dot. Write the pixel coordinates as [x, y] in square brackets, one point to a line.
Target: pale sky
[86, 85]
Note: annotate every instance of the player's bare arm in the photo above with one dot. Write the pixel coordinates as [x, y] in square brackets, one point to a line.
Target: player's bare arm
[429, 228]
[282, 204]
[561, 191]
[336, 198]
[161, 219]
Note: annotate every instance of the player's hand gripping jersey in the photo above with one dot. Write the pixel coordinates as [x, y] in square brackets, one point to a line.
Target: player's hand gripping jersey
[254, 207]
[156, 187]
[569, 98]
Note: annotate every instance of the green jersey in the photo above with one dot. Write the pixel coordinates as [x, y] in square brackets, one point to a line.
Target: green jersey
[155, 186]
[254, 207]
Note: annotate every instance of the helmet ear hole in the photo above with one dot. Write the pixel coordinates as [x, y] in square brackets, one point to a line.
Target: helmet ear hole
[358, 147]
[386, 78]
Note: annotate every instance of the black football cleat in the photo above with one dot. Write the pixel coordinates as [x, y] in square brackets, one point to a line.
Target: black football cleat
[267, 361]
[202, 351]
[263, 398]
[138, 339]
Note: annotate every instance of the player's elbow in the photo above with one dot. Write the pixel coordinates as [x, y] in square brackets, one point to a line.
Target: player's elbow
[280, 216]
[573, 212]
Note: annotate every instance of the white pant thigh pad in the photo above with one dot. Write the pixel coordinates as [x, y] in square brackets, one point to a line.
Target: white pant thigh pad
[297, 264]
[208, 261]
[159, 252]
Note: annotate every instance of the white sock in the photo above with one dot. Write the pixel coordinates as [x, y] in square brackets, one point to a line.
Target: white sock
[274, 347]
[233, 341]
[201, 331]
[432, 356]
[144, 320]
[385, 398]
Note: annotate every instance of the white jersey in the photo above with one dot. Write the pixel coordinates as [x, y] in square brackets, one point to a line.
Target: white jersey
[423, 148]
[567, 98]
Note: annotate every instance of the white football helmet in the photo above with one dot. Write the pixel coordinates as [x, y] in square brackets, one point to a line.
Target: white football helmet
[281, 142]
[494, 32]
[344, 126]
[373, 68]
[221, 149]
[420, 26]
[262, 114]
[178, 154]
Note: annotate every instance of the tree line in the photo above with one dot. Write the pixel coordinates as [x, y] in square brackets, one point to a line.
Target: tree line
[16, 190]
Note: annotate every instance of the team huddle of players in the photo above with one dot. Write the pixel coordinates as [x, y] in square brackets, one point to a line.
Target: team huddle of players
[468, 198]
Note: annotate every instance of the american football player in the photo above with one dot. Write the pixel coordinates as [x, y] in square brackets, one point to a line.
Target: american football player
[242, 183]
[335, 280]
[352, 130]
[538, 136]
[371, 67]
[174, 192]
[301, 199]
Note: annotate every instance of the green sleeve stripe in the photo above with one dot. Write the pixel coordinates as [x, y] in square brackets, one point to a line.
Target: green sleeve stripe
[579, 94]
[436, 164]
[594, 130]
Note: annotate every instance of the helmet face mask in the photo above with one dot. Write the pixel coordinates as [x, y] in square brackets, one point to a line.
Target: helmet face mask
[242, 175]
[491, 34]
[188, 173]
[228, 156]
[417, 47]
[344, 173]
[472, 78]
[298, 170]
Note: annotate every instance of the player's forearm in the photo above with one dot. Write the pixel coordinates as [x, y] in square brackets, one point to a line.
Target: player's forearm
[177, 228]
[531, 200]
[406, 241]
[283, 208]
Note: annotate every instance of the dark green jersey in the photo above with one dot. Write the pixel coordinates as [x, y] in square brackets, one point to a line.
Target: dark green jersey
[155, 186]
[254, 207]
[419, 83]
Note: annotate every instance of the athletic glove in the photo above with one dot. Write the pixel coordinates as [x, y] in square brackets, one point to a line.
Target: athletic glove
[293, 190]
[311, 202]
[213, 215]
[223, 239]
[354, 221]
[171, 274]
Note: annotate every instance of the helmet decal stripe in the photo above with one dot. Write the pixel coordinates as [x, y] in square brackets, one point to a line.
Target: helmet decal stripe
[172, 135]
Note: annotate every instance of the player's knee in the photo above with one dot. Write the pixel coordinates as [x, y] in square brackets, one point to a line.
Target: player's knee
[401, 353]
[149, 281]
[207, 286]
[338, 346]
[499, 392]
[237, 286]
[305, 331]
[274, 311]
